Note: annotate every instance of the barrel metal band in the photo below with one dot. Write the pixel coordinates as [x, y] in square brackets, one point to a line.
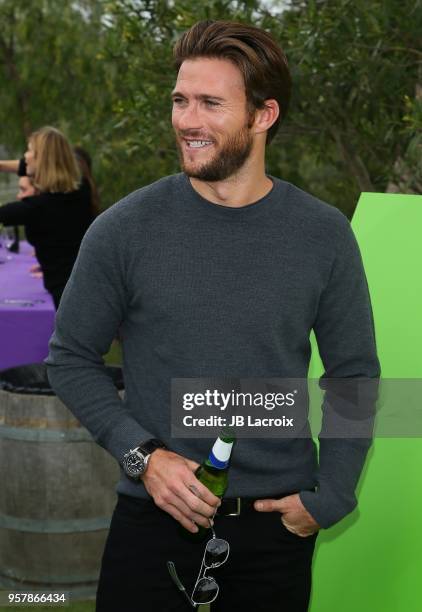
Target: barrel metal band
[10, 580]
[54, 526]
[45, 435]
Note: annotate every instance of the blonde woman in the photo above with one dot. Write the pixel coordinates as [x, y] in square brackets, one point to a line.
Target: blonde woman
[57, 218]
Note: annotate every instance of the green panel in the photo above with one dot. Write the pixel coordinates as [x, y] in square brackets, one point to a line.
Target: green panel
[372, 560]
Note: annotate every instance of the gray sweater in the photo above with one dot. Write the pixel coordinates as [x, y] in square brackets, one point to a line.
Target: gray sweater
[202, 290]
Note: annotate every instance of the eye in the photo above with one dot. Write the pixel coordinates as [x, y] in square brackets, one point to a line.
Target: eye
[178, 101]
[211, 103]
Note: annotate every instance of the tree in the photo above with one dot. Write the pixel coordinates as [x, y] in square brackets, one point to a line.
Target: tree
[355, 65]
[355, 69]
[102, 71]
[49, 72]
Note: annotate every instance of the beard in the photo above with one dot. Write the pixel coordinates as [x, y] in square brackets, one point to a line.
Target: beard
[226, 161]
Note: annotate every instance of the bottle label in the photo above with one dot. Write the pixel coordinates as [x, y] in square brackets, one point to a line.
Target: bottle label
[220, 454]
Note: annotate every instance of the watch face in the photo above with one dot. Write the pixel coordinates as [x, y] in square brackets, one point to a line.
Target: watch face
[134, 464]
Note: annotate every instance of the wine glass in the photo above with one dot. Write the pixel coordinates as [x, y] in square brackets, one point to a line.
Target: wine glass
[10, 236]
[6, 241]
[3, 257]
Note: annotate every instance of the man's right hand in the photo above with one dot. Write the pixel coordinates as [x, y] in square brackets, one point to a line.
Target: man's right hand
[170, 480]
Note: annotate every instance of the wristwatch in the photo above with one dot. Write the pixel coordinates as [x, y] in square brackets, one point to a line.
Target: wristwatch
[135, 461]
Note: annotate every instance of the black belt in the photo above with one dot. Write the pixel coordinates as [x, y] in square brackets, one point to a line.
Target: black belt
[235, 506]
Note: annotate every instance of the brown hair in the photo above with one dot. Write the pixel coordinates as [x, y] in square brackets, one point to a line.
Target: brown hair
[57, 169]
[254, 51]
[85, 164]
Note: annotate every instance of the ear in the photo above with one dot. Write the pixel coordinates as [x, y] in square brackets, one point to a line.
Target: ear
[266, 117]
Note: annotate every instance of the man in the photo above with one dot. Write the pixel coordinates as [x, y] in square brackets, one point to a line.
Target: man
[220, 271]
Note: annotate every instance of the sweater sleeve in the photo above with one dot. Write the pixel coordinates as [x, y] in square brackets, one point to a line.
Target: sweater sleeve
[92, 308]
[19, 212]
[344, 330]
[22, 167]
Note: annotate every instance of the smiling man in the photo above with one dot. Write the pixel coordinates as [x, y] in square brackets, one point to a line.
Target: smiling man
[213, 129]
[219, 271]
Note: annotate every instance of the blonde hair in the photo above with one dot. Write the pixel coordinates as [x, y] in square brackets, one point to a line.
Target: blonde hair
[56, 167]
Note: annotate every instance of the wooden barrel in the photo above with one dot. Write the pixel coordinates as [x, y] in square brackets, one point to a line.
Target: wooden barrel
[57, 489]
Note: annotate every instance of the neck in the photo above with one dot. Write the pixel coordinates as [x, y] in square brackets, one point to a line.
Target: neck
[247, 186]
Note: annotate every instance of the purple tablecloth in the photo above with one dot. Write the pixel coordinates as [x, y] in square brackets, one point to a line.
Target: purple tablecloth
[26, 311]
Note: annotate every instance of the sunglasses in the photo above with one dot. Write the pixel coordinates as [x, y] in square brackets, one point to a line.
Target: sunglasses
[206, 588]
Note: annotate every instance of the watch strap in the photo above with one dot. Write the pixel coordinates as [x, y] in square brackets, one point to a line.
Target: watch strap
[149, 446]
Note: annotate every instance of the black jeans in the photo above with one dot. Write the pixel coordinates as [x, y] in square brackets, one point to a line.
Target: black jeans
[268, 569]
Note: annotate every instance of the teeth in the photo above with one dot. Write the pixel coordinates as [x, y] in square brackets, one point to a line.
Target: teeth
[198, 143]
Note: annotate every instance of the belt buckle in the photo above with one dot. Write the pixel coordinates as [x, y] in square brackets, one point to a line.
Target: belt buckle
[238, 506]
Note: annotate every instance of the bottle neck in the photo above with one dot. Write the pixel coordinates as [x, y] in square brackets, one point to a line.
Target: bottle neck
[219, 456]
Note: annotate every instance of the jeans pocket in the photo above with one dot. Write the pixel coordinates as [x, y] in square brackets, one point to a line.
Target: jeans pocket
[132, 510]
[289, 534]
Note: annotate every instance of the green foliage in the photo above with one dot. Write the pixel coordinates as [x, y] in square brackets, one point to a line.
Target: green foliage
[46, 52]
[140, 45]
[354, 64]
[102, 72]
[48, 71]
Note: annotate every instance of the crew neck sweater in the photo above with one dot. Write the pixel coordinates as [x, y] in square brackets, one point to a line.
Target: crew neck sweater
[198, 289]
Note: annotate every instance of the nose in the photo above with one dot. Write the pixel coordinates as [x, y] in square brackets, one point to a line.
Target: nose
[188, 117]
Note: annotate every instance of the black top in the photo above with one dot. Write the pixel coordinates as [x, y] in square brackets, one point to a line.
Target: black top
[55, 224]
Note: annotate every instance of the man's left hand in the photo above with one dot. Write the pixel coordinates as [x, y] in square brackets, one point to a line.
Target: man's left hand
[294, 516]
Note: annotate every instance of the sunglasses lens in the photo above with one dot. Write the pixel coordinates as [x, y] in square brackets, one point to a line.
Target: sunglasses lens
[216, 552]
[205, 591]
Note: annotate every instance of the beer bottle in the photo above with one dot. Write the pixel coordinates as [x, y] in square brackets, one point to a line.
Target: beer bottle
[213, 472]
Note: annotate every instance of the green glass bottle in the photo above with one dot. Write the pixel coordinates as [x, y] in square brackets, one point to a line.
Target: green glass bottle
[214, 471]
